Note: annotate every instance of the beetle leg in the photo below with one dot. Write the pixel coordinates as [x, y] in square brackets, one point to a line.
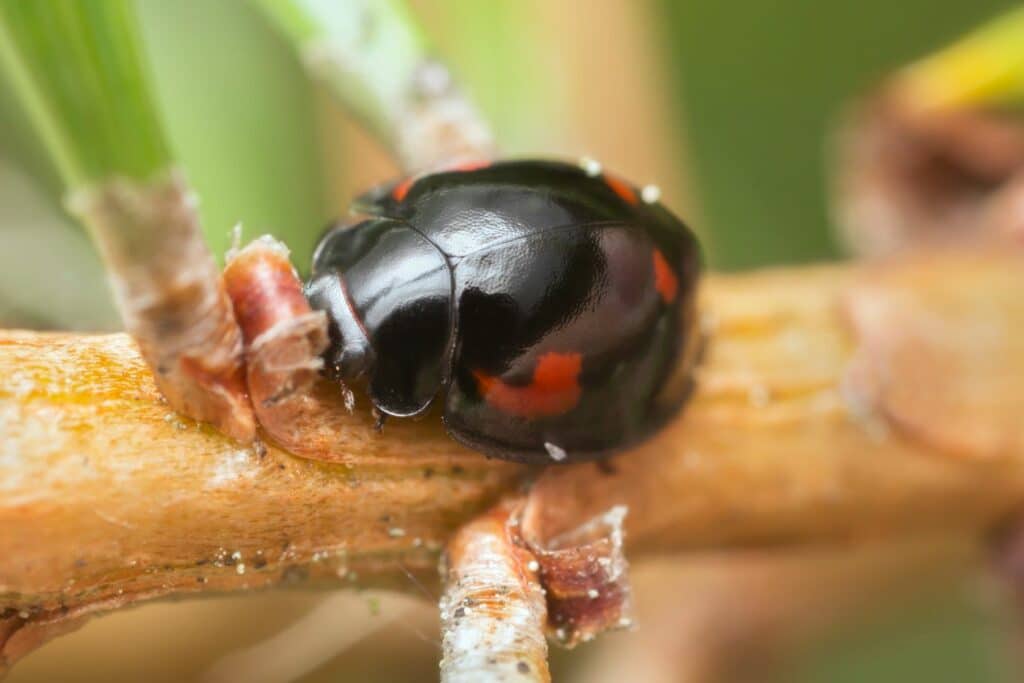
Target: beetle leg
[379, 418]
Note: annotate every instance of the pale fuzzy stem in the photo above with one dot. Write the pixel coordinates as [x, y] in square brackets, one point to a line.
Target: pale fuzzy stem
[437, 122]
[493, 614]
[170, 294]
[506, 587]
[373, 58]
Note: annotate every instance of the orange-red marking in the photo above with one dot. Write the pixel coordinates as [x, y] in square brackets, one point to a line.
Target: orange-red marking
[467, 165]
[621, 188]
[402, 188]
[665, 281]
[553, 390]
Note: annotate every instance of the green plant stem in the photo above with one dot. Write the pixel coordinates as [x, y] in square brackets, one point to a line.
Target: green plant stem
[373, 57]
[77, 67]
[376, 41]
[79, 71]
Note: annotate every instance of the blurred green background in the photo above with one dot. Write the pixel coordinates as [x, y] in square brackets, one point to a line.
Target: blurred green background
[727, 106]
[762, 84]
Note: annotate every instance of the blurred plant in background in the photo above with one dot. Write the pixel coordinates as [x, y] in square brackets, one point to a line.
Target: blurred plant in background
[761, 89]
[727, 108]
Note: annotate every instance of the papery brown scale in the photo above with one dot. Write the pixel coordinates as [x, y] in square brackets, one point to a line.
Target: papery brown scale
[264, 289]
[284, 339]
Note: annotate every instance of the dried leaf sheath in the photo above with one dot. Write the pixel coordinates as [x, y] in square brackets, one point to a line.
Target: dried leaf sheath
[284, 339]
[171, 295]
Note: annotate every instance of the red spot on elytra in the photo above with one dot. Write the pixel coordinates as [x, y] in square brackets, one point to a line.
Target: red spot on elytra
[402, 188]
[553, 390]
[467, 165]
[665, 281]
[621, 188]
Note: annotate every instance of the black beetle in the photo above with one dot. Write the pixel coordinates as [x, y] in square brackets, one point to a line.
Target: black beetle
[550, 305]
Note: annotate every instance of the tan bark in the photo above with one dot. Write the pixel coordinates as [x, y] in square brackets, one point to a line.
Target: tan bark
[812, 421]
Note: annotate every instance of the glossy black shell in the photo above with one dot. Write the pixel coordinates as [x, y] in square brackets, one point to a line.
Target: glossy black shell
[550, 309]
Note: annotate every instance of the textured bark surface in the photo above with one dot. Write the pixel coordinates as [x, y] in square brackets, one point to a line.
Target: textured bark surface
[108, 497]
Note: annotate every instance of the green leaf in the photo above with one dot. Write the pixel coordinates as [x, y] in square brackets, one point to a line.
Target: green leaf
[367, 51]
[240, 117]
[77, 67]
[759, 88]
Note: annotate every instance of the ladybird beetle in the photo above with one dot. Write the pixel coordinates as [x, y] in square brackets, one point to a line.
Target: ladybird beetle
[548, 305]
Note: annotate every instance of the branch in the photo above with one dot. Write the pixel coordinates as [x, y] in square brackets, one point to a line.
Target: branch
[833, 403]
